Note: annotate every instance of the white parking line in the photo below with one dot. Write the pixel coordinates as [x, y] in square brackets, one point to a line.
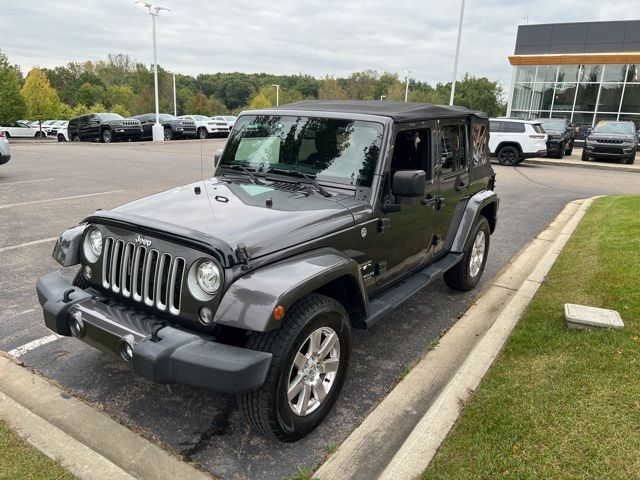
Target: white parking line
[27, 347]
[59, 199]
[27, 244]
[26, 181]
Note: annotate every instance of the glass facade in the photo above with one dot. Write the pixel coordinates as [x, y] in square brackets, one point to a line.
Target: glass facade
[585, 94]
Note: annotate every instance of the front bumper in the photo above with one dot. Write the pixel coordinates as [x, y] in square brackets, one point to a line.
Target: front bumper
[614, 151]
[539, 153]
[161, 352]
[127, 132]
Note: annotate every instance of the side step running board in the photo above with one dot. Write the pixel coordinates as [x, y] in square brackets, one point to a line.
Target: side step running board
[380, 306]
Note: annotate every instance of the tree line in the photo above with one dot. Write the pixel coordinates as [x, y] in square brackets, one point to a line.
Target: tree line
[122, 85]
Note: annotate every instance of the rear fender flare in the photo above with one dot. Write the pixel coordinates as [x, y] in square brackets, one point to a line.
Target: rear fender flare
[249, 302]
[486, 200]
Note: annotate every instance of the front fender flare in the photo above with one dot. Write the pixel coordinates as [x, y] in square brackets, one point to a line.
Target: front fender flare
[67, 249]
[249, 302]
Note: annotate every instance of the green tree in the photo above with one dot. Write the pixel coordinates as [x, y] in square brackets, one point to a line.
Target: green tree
[12, 104]
[199, 105]
[90, 93]
[120, 109]
[260, 100]
[41, 99]
[65, 112]
[218, 107]
[479, 93]
[362, 85]
[330, 89]
[79, 109]
[118, 95]
[97, 108]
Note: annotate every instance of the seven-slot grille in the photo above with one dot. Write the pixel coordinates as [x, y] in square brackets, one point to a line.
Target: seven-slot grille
[143, 274]
[131, 122]
[609, 140]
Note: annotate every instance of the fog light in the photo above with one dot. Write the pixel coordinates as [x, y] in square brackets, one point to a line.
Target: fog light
[126, 351]
[87, 272]
[76, 325]
[206, 315]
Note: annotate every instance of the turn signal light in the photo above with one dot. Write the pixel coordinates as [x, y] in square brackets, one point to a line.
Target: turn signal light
[278, 312]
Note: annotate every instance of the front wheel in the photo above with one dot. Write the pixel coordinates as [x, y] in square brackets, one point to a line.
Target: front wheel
[584, 156]
[632, 158]
[61, 138]
[168, 134]
[202, 134]
[311, 353]
[560, 153]
[467, 272]
[508, 156]
[75, 138]
[107, 136]
[569, 149]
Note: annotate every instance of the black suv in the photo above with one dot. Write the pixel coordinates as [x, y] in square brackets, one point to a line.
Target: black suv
[103, 127]
[173, 127]
[321, 217]
[612, 140]
[561, 136]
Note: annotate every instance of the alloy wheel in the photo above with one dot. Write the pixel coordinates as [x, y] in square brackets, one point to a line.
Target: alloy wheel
[477, 254]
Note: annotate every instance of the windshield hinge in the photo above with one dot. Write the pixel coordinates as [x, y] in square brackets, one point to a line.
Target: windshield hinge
[242, 255]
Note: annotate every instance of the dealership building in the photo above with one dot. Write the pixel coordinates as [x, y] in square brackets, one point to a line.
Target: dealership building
[586, 72]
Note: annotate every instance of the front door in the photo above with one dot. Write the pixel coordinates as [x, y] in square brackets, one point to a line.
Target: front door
[452, 173]
[407, 234]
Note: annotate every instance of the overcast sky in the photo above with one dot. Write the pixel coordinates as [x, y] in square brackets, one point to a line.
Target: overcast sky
[315, 37]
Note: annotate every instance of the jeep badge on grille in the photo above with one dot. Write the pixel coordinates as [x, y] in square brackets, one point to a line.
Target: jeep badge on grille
[143, 241]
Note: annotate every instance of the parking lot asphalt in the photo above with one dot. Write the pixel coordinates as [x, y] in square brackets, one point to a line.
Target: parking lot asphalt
[46, 188]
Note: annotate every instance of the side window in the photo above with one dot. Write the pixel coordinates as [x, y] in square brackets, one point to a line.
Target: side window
[453, 148]
[513, 127]
[495, 127]
[412, 151]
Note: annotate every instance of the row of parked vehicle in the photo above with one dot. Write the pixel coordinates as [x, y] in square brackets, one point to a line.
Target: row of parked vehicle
[108, 127]
[513, 140]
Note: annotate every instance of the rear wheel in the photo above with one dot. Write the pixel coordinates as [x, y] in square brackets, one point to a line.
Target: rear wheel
[467, 273]
[6, 134]
[310, 358]
[107, 136]
[75, 138]
[61, 138]
[569, 150]
[508, 155]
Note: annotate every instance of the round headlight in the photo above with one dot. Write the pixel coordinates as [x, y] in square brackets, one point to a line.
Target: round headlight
[208, 276]
[95, 241]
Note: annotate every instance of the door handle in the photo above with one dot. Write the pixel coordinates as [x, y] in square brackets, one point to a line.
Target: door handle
[462, 186]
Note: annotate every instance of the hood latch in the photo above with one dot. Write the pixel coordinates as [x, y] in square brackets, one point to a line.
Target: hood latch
[243, 256]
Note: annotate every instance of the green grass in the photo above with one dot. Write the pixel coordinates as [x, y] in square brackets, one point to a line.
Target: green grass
[562, 403]
[19, 460]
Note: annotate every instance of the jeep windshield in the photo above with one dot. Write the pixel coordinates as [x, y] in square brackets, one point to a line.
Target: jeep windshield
[109, 116]
[614, 127]
[327, 149]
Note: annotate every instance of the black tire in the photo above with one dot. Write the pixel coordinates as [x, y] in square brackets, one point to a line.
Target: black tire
[569, 151]
[38, 135]
[584, 157]
[168, 134]
[75, 138]
[632, 158]
[202, 134]
[107, 136]
[61, 138]
[7, 134]
[267, 409]
[461, 276]
[560, 153]
[508, 156]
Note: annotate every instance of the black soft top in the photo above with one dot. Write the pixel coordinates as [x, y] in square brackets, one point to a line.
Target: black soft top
[398, 111]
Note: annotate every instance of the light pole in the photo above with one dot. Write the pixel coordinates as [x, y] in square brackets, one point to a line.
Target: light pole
[277, 93]
[382, 97]
[175, 104]
[406, 88]
[158, 131]
[455, 62]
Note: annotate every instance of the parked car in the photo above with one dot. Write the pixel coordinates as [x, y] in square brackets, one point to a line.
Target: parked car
[512, 140]
[22, 129]
[561, 136]
[206, 127]
[173, 127]
[104, 127]
[5, 149]
[228, 119]
[250, 282]
[612, 140]
[59, 124]
[63, 134]
[45, 127]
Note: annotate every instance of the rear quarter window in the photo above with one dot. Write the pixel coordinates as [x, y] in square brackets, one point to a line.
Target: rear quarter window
[495, 126]
[513, 127]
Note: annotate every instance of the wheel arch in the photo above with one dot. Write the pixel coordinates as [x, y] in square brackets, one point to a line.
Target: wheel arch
[485, 204]
[250, 301]
[509, 143]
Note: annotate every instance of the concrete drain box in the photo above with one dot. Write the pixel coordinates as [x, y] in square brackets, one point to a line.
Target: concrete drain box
[582, 316]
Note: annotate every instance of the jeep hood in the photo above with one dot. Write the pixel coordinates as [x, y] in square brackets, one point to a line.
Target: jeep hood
[265, 219]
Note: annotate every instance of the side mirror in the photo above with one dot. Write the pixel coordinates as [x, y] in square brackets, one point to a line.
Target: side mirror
[409, 183]
[216, 158]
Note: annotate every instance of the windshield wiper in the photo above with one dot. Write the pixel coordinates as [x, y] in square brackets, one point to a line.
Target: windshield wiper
[298, 173]
[252, 177]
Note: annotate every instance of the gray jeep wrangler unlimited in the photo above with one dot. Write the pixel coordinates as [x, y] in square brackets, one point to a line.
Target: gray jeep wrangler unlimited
[321, 217]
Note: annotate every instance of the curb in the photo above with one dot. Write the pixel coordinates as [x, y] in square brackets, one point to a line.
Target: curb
[88, 443]
[396, 441]
[591, 165]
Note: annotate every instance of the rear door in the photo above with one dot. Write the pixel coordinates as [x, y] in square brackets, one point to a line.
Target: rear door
[452, 175]
[495, 135]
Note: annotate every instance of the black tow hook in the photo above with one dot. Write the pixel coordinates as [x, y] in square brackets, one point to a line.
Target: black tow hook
[66, 295]
[154, 332]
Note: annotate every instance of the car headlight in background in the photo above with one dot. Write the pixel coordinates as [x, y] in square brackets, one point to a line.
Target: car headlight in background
[208, 276]
[92, 245]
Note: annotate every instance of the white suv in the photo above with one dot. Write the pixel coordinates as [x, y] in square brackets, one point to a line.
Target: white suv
[207, 127]
[512, 140]
[5, 150]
